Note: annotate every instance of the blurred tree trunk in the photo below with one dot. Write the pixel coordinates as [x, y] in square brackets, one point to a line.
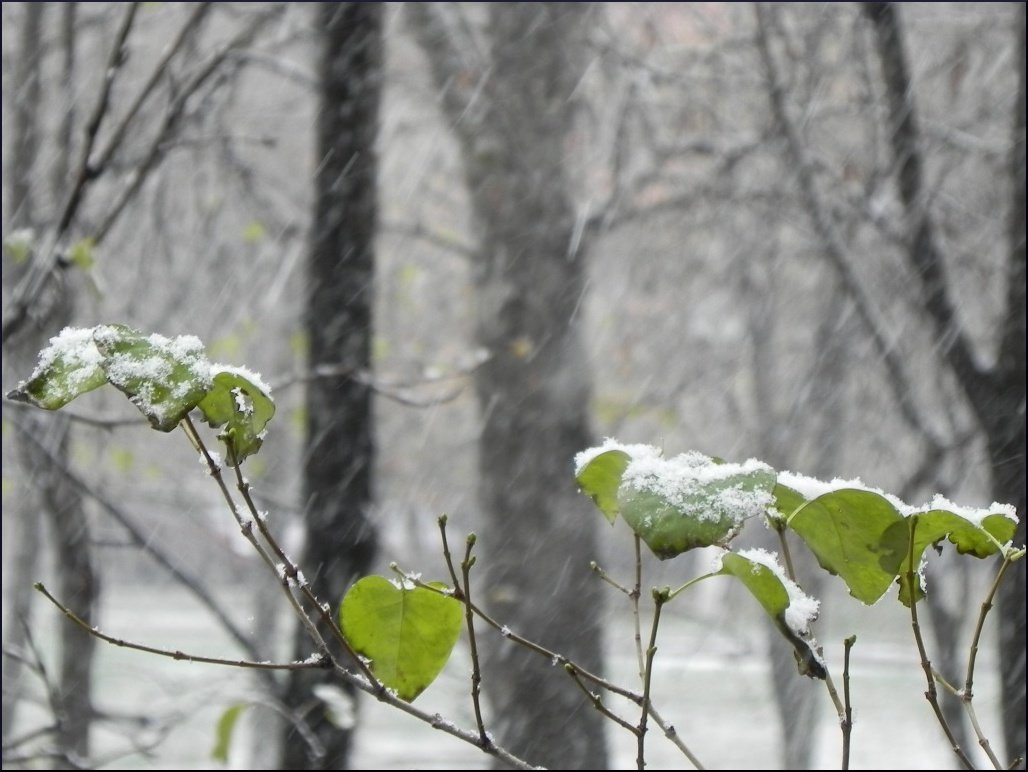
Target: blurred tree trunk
[22, 549]
[61, 504]
[818, 415]
[513, 113]
[996, 393]
[338, 460]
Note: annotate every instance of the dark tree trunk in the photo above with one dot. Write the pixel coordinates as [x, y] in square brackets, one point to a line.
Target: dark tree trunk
[1007, 431]
[338, 460]
[997, 394]
[534, 390]
[54, 498]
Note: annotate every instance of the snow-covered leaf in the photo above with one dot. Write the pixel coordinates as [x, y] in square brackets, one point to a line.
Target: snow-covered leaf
[163, 377]
[789, 607]
[68, 367]
[240, 402]
[691, 500]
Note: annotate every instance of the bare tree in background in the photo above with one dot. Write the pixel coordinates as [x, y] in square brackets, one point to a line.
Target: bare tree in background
[510, 98]
[44, 453]
[996, 392]
[339, 457]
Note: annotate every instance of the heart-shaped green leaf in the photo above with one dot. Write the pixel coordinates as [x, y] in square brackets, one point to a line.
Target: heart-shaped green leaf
[691, 501]
[164, 377]
[68, 367]
[407, 632]
[851, 531]
[789, 607]
[601, 478]
[239, 401]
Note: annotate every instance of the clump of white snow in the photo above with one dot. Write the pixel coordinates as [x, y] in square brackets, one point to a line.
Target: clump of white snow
[811, 488]
[802, 609]
[689, 483]
[243, 372]
[634, 451]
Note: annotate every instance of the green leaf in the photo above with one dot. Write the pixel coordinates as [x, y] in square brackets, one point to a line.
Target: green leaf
[969, 538]
[674, 514]
[601, 478]
[68, 367]
[852, 533]
[81, 253]
[223, 732]
[770, 591]
[239, 401]
[163, 377]
[786, 502]
[254, 232]
[18, 246]
[407, 633]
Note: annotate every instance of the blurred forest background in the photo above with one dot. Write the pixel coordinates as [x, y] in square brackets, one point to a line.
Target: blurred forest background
[463, 242]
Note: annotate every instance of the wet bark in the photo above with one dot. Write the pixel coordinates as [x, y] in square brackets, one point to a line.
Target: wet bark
[339, 456]
[514, 123]
[997, 393]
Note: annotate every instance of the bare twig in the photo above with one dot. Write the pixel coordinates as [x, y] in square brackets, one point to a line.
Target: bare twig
[604, 576]
[847, 723]
[436, 238]
[48, 260]
[117, 138]
[898, 378]
[293, 576]
[319, 662]
[173, 114]
[139, 538]
[931, 695]
[660, 597]
[246, 528]
[967, 693]
[476, 671]
[597, 701]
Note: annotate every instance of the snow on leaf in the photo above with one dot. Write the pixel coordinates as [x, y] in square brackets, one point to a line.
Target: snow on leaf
[791, 609]
[240, 402]
[68, 367]
[163, 377]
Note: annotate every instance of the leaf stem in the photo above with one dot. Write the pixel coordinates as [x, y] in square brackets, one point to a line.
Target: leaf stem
[786, 554]
[672, 594]
[635, 595]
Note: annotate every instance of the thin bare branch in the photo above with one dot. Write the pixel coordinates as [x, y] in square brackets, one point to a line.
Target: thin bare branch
[140, 539]
[318, 661]
[899, 379]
